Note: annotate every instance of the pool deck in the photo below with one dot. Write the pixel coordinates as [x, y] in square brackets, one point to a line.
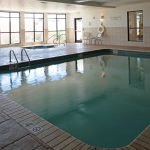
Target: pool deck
[59, 52]
[20, 129]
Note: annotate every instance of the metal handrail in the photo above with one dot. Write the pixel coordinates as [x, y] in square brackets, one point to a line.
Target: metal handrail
[51, 37]
[12, 52]
[24, 50]
[55, 41]
[56, 37]
[64, 40]
[59, 40]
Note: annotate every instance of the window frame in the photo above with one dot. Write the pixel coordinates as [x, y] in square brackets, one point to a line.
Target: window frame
[57, 18]
[128, 22]
[34, 32]
[10, 32]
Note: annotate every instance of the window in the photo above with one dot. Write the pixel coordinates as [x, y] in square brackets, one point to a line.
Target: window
[34, 27]
[135, 25]
[56, 27]
[9, 27]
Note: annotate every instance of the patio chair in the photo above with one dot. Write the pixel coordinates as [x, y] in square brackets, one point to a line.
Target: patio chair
[97, 39]
[86, 37]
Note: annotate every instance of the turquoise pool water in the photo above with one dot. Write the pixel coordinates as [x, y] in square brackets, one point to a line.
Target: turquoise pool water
[104, 100]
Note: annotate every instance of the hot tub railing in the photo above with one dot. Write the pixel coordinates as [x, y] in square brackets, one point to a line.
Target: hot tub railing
[58, 39]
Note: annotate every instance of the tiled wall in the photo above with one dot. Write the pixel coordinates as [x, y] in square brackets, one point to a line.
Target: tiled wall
[119, 36]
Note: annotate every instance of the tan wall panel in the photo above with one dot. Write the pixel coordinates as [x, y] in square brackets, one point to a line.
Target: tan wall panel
[119, 36]
[70, 35]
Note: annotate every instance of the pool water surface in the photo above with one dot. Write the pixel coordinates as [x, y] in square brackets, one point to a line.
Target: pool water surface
[103, 101]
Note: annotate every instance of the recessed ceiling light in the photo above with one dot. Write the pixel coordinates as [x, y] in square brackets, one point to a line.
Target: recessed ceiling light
[43, 2]
[82, 1]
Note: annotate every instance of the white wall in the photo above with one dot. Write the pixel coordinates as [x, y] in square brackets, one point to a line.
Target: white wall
[115, 22]
[113, 17]
[90, 18]
[118, 17]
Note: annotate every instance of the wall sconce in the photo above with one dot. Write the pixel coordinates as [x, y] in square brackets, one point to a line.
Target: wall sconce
[102, 19]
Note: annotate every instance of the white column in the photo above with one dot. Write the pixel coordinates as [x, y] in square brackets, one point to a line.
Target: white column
[22, 28]
[45, 27]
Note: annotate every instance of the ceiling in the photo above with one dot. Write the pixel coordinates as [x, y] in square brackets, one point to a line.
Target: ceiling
[99, 3]
[65, 6]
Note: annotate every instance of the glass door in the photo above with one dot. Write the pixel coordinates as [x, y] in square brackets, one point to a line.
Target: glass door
[78, 30]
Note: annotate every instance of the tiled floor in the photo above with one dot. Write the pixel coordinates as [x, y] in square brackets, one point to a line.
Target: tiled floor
[15, 137]
[20, 129]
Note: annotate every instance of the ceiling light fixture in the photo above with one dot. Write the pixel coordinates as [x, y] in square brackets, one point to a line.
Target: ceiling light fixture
[43, 2]
[102, 18]
[82, 1]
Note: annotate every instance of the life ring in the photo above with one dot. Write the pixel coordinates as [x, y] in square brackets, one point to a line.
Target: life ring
[101, 29]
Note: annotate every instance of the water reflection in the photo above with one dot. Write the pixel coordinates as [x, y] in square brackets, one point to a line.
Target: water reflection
[80, 66]
[136, 72]
[38, 75]
[10, 81]
[95, 66]
[34, 76]
[102, 62]
[57, 72]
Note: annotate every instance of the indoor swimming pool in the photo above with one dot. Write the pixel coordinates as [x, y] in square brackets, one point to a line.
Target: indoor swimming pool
[39, 47]
[103, 100]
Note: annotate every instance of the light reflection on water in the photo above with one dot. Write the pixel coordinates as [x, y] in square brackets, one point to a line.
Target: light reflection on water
[104, 100]
[36, 76]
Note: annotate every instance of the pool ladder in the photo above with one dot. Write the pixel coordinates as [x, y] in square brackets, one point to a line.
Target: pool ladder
[15, 66]
[10, 60]
[24, 50]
